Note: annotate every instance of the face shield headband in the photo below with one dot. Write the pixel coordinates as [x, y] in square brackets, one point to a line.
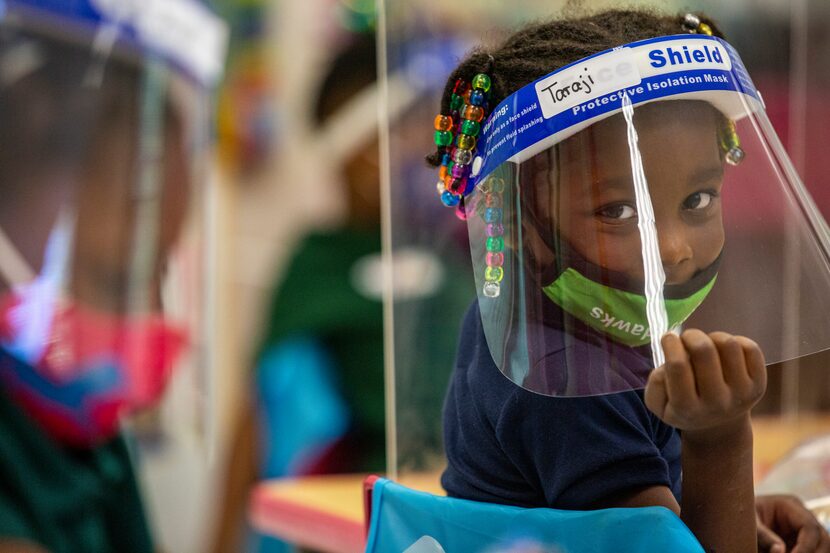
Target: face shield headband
[185, 34]
[556, 107]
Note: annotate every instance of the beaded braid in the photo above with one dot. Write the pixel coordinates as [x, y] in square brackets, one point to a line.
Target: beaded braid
[730, 142]
[456, 133]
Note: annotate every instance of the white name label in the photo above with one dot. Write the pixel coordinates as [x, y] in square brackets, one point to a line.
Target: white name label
[626, 68]
[584, 81]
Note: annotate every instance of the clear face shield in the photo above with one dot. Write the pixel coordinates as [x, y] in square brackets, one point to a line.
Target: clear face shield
[638, 192]
[102, 248]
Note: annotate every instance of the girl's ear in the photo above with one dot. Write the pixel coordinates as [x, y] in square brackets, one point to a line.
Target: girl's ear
[536, 199]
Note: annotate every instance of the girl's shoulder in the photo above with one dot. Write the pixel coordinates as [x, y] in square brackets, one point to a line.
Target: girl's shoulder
[478, 382]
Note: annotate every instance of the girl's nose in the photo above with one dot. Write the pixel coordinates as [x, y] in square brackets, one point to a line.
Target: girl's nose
[675, 249]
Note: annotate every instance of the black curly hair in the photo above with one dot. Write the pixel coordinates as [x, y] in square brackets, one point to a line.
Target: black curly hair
[540, 48]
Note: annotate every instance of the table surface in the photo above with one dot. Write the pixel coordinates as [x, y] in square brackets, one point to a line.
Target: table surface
[325, 513]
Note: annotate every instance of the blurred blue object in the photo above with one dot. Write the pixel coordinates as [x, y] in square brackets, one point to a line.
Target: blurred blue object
[302, 410]
[405, 520]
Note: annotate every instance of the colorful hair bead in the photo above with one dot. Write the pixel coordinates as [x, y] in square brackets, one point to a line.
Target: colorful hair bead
[693, 24]
[491, 289]
[441, 186]
[460, 87]
[449, 199]
[443, 123]
[470, 128]
[458, 185]
[462, 156]
[735, 156]
[492, 200]
[465, 142]
[495, 259]
[480, 207]
[477, 97]
[461, 210]
[495, 244]
[493, 229]
[730, 144]
[443, 138]
[482, 82]
[492, 215]
[473, 113]
[458, 171]
[690, 22]
[456, 102]
[493, 274]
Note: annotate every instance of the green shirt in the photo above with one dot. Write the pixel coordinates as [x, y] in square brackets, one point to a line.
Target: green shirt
[317, 298]
[67, 500]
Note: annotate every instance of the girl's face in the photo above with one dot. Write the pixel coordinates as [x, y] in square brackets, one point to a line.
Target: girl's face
[108, 208]
[593, 201]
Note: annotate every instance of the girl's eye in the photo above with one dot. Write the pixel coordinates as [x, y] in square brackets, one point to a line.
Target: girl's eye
[619, 212]
[699, 200]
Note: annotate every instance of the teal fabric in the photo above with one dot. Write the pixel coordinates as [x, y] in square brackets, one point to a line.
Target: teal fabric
[404, 519]
[65, 500]
[302, 411]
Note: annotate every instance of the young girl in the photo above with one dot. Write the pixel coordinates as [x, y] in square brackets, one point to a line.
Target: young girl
[571, 194]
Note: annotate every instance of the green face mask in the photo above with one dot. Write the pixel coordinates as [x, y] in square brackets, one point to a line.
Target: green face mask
[621, 314]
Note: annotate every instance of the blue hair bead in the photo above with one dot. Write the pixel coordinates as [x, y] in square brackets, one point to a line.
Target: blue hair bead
[492, 215]
[449, 199]
[477, 97]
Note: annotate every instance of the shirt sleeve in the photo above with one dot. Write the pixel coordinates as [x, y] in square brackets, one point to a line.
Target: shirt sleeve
[507, 445]
[477, 465]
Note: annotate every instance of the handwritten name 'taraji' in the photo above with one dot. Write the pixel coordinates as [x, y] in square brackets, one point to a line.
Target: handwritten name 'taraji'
[584, 83]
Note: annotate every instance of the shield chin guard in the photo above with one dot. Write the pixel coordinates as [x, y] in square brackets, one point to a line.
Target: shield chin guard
[635, 192]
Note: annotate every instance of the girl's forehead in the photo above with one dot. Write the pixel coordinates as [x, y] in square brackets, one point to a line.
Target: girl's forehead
[688, 128]
[693, 116]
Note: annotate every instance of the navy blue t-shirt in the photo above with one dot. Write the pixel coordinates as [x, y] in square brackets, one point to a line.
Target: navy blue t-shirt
[505, 444]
